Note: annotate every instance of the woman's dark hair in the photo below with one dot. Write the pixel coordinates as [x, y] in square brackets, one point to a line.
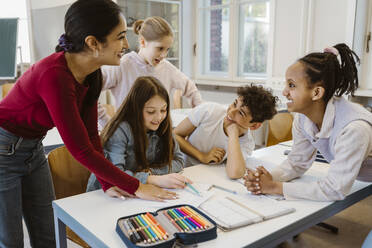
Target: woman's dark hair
[131, 111]
[260, 102]
[89, 17]
[335, 77]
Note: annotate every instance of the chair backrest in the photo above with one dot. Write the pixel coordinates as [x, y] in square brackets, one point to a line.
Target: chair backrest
[69, 176]
[279, 129]
[6, 88]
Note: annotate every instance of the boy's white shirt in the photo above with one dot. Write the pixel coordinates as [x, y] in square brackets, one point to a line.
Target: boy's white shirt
[352, 147]
[119, 80]
[208, 120]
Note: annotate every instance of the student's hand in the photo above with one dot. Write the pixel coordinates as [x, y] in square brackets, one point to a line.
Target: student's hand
[154, 193]
[252, 181]
[215, 155]
[118, 193]
[268, 186]
[170, 181]
[234, 130]
[261, 182]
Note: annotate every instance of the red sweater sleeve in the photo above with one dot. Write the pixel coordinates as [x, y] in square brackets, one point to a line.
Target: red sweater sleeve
[58, 90]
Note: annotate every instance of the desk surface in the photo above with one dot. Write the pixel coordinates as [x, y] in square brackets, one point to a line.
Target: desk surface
[93, 215]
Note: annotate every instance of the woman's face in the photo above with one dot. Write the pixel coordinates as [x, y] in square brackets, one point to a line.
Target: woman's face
[297, 90]
[155, 51]
[116, 43]
[154, 112]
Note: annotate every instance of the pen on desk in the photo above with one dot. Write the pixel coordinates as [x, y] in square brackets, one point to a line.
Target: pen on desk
[224, 189]
[193, 188]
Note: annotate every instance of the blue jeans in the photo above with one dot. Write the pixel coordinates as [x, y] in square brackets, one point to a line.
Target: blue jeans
[26, 189]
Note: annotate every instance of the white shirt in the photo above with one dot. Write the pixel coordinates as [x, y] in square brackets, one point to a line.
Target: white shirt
[352, 147]
[208, 120]
[119, 80]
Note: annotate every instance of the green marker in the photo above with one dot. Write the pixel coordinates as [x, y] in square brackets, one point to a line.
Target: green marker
[193, 189]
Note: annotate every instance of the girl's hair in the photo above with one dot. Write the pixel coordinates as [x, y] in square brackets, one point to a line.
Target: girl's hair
[131, 111]
[153, 28]
[336, 78]
[83, 18]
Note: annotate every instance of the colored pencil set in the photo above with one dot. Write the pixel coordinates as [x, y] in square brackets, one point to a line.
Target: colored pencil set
[155, 230]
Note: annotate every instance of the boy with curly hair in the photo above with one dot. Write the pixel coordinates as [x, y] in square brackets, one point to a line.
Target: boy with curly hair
[211, 134]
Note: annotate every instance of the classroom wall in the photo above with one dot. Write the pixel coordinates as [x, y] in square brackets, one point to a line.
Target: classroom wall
[301, 26]
[46, 25]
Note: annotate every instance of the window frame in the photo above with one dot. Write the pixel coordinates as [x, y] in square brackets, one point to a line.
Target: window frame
[232, 76]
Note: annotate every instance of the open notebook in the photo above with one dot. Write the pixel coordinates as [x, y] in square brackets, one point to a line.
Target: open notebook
[235, 211]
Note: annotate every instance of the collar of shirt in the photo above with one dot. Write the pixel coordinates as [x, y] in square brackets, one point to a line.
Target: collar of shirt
[141, 62]
[327, 125]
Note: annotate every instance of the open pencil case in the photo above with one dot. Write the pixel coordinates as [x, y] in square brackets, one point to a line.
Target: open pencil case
[161, 229]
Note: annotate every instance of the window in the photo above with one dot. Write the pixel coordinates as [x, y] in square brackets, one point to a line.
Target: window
[233, 39]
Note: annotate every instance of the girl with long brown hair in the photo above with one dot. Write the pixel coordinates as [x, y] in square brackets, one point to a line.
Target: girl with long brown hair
[139, 141]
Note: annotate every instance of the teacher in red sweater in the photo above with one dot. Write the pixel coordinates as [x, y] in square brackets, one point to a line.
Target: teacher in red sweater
[60, 90]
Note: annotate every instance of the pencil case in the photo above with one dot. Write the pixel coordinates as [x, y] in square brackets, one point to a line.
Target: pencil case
[161, 229]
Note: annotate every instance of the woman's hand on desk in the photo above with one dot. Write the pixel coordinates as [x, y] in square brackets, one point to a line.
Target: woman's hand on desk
[154, 193]
[118, 193]
[261, 182]
[170, 181]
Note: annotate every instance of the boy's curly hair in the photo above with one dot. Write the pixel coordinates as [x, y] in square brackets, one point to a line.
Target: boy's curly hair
[260, 102]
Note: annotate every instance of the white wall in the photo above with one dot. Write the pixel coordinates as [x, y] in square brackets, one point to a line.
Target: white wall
[46, 25]
[300, 27]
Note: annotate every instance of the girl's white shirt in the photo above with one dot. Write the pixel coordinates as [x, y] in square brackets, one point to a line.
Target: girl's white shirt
[119, 80]
[352, 147]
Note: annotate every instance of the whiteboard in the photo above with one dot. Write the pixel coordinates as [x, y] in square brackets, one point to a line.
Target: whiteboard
[8, 51]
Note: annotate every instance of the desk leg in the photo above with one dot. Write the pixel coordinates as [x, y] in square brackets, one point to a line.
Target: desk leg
[60, 228]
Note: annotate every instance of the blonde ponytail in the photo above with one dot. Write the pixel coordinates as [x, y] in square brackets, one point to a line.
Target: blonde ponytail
[153, 28]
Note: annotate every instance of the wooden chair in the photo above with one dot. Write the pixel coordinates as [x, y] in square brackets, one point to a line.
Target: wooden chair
[279, 129]
[69, 178]
[6, 88]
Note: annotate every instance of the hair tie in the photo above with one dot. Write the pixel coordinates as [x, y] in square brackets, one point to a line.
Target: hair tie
[332, 50]
[64, 43]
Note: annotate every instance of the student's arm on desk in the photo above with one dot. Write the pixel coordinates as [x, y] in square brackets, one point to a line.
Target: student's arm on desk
[352, 146]
[173, 180]
[298, 162]
[300, 158]
[185, 129]
[235, 165]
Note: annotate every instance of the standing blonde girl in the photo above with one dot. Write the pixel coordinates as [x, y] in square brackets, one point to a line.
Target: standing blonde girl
[155, 39]
[139, 141]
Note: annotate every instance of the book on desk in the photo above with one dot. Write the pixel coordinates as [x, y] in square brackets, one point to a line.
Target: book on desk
[230, 212]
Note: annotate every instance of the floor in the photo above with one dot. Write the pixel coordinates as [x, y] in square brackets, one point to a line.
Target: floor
[354, 224]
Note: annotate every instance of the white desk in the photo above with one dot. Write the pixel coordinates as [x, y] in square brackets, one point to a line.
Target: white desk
[93, 215]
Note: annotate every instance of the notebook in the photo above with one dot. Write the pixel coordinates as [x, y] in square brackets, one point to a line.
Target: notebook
[231, 212]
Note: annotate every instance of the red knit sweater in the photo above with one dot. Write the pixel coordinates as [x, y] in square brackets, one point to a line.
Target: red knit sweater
[48, 95]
